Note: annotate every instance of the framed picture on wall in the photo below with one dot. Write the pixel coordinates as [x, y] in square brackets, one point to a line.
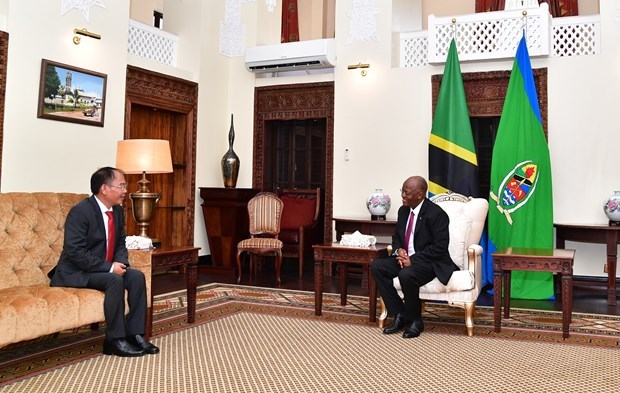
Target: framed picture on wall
[72, 94]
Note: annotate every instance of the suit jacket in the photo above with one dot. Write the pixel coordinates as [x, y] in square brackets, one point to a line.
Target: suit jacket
[430, 238]
[85, 244]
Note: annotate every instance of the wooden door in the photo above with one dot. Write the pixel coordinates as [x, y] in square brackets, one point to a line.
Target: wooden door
[295, 156]
[163, 107]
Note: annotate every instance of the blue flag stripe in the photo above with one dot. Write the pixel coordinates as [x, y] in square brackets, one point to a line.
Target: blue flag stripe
[525, 67]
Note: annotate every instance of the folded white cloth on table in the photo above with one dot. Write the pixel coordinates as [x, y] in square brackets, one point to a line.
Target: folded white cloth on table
[356, 239]
[138, 243]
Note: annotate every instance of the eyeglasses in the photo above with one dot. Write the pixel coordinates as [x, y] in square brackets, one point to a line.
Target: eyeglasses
[122, 186]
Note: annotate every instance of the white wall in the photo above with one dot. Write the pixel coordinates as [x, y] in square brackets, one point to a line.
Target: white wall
[48, 155]
[383, 118]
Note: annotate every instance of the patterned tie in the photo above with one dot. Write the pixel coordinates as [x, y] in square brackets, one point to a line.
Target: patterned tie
[109, 255]
[408, 232]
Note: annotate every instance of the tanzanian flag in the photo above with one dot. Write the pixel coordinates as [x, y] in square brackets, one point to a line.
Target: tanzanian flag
[452, 162]
[520, 200]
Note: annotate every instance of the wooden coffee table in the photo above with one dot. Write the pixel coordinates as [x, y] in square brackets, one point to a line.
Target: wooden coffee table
[532, 259]
[343, 256]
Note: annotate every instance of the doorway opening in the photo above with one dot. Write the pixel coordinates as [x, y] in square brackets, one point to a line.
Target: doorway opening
[295, 154]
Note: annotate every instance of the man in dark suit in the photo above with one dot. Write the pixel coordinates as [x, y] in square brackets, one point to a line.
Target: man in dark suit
[94, 256]
[420, 244]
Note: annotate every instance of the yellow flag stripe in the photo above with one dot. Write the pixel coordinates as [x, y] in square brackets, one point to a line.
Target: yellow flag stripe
[451, 148]
[435, 188]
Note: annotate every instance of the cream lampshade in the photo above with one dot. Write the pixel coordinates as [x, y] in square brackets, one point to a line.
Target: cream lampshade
[135, 156]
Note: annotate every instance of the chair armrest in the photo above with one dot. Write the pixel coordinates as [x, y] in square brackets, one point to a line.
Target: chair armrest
[141, 260]
[474, 262]
[474, 252]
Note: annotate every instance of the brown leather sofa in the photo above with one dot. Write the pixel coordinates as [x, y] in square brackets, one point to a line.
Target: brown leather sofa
[31, 240]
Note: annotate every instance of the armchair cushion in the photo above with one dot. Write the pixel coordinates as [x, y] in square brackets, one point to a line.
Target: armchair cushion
[463, 280]
[297, 212]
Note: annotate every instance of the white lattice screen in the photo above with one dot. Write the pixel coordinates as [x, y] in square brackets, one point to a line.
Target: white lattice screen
[484, 39]
[489, 35]
[413, 49]
[577, 36]
[151, 43]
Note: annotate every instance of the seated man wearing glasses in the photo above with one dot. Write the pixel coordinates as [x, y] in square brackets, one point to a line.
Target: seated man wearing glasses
[94, 256]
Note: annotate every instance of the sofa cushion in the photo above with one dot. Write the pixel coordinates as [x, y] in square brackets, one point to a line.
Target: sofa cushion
[28, 312]
[297, 212]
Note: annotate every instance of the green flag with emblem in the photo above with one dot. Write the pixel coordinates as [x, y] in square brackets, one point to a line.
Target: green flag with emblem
[521, 201]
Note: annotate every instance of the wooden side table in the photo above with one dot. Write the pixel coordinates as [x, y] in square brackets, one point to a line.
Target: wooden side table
[532, 259]
[601, 234]
[367, 227]
[335, 253]
[182, 256]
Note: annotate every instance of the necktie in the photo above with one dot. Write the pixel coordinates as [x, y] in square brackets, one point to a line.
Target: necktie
[109, 255]
[408, 231]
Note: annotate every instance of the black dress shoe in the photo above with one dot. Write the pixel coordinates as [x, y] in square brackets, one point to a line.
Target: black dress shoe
[398, 324]
[140, 342]
[120, 347]
[416, 328]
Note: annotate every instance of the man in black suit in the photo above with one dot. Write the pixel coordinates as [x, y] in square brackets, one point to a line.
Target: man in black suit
[420, 244]
[90, 260]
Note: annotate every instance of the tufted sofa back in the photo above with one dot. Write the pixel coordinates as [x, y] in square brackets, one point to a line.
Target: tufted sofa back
[32, 235]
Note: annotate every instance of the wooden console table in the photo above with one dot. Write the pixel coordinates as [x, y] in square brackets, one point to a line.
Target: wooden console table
[225, 212]
[600, 234]
[532, 259]
[182, 256]
[335, 253]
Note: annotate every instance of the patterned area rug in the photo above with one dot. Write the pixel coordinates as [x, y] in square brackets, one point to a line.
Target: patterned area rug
[254, 352]
[217, 301]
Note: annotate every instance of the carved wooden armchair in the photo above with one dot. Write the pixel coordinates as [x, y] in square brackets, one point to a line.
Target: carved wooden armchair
[467, 217]
[265, 212]
[299, 220]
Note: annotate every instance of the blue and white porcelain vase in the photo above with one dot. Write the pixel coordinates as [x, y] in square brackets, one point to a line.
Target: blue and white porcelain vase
[378, 204]
[612, 208]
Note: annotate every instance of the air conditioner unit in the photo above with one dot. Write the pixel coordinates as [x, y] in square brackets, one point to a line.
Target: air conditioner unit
[301, 55]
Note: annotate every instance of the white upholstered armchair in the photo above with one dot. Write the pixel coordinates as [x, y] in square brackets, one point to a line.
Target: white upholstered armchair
[467, 217]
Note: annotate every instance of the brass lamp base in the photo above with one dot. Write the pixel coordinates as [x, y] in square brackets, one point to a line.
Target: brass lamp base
[143, 209]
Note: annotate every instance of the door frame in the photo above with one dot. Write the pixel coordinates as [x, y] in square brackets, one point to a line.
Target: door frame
[160, 91]
[296, 102]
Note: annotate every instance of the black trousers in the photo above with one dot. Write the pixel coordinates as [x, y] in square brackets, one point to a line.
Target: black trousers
[114, 286]
[411, 279]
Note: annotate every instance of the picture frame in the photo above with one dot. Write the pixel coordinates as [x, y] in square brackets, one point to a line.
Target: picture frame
[72, 94]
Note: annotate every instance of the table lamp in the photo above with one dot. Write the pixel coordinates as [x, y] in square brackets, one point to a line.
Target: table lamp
[135, 156]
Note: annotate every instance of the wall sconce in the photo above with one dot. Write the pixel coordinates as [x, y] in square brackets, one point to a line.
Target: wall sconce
[84, 32]
[359, 66]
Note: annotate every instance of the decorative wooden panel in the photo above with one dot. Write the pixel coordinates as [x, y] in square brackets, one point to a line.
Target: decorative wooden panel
[485, 92]
[159, 106]
[298, 101]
